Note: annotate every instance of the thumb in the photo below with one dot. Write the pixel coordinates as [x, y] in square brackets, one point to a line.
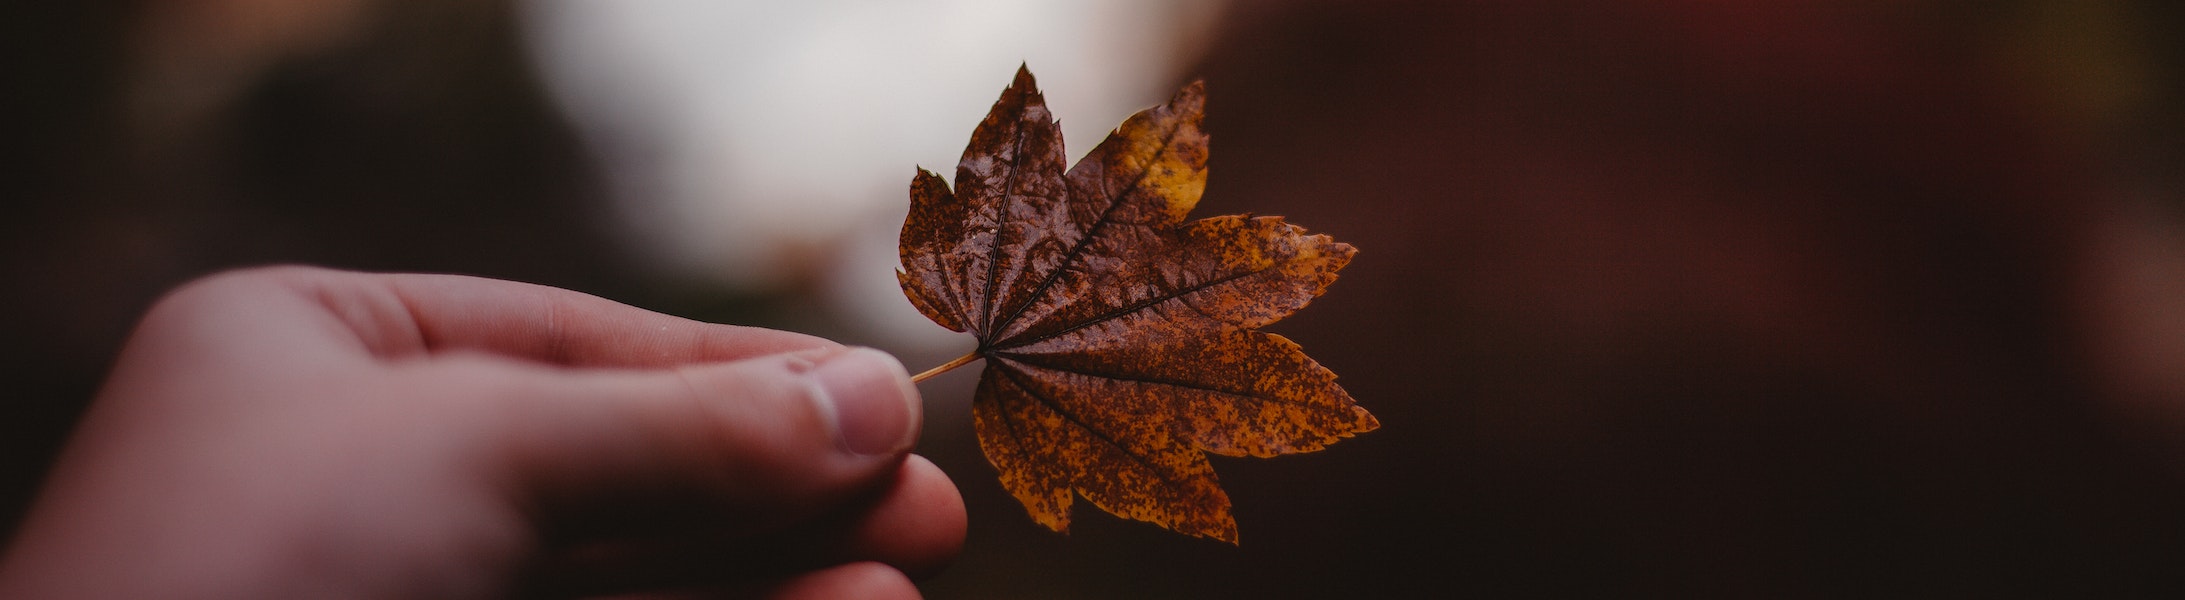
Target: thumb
[772, 436]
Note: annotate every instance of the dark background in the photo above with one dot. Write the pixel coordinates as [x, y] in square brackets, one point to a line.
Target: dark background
[1810, 299]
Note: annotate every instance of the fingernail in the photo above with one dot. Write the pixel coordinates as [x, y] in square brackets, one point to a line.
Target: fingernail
[869, 395]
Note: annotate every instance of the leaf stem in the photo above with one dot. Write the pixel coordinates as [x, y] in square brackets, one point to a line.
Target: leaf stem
[946, 367]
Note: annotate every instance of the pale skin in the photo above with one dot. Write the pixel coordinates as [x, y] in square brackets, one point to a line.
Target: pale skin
[294, 432]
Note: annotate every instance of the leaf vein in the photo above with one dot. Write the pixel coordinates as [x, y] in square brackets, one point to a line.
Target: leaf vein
[1107, 215]
[1026, 359]
[1008, 194]
[1056, 406]
[1137, 306]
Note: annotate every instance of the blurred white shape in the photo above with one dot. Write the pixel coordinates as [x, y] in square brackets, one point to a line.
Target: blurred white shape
[746, 139]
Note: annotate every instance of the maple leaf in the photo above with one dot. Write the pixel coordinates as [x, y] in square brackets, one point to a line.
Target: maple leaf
[1120, 341]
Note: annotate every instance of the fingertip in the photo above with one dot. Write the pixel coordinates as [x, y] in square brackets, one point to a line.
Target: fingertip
[917, 525]
[874, 407]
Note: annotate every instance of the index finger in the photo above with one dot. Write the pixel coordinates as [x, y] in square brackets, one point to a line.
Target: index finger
[406, 314]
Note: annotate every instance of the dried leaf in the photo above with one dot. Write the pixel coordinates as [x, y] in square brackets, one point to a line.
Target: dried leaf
[1120, 341]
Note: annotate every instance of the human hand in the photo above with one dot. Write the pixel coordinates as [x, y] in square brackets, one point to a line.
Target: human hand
[295, 432]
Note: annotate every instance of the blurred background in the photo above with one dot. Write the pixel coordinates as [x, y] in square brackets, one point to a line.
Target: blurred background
[1669, 297]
